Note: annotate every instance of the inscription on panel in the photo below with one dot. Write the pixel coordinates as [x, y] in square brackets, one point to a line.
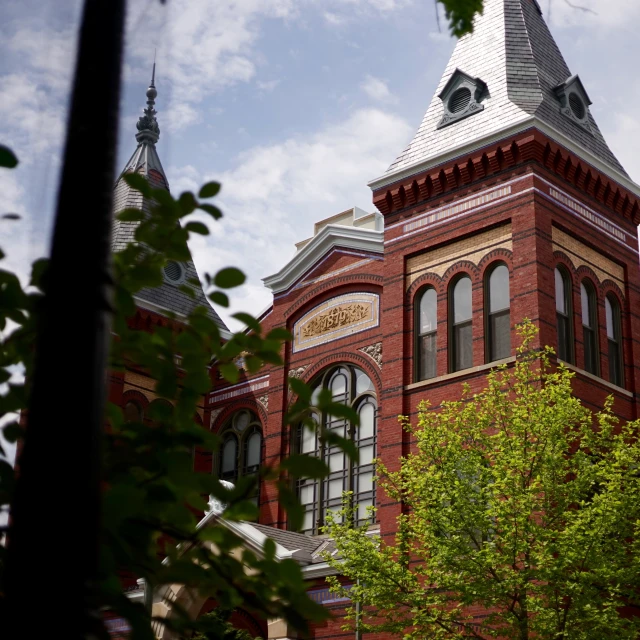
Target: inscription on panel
[336, 318]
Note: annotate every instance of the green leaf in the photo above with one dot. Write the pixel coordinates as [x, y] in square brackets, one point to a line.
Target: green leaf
[187, 203]
[229, 278]
[11, 216]
[229, 372]
[302, 390]
[289, 501]
[209, 190]
[279, 333]
[130, 215]
[214, 212]
[138, 182]
[219, 298]
[300, 466]
[7, 158]
[249, 320]
[197, 227]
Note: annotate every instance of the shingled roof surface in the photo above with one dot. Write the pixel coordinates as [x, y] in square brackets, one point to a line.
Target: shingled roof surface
[145, 161]
[290, 540]
[512, 50]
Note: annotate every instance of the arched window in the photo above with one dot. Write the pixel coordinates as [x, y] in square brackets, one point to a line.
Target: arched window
[133, 412]
[498, 321]
[426, 324]
[564, 314]
[589, 326]
[241, 450]
[352, 386]
[614, 339]
[460, 332]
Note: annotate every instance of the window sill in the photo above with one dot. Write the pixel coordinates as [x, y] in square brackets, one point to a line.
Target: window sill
[591, 376]
[459, 374]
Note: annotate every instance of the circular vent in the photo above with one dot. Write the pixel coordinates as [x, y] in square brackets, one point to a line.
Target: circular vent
[459, 100]
[173, 271]
[577, 106]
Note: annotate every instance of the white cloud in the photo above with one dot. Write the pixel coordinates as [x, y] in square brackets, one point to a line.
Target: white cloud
[377, 89]
[275, 193]
[599, 15]
[268, 85]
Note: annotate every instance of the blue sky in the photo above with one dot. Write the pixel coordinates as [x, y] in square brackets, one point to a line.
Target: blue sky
[294, 105]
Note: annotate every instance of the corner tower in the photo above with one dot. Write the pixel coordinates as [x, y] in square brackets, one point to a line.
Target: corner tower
[507, 204]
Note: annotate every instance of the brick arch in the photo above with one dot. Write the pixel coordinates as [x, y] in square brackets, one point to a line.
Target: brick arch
[367, 279]
[561, 258]
[499, 255]
[243, 403]
[429, 279]
[464, 266]
[609, 286]
[348, 357]
[585, 272]
[131, 395]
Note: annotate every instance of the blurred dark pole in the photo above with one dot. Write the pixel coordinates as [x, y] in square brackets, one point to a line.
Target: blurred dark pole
[55, 519]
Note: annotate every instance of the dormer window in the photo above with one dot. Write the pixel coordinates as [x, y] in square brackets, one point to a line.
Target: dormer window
[574, 101]
[461, 97]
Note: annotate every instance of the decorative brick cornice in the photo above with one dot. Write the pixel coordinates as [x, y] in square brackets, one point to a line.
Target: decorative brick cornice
[529, 146]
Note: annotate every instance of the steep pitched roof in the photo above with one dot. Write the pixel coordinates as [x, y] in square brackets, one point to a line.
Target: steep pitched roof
[513, 52]
[145, 160]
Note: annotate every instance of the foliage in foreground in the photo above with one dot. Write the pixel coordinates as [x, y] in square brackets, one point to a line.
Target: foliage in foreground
[518, 500]
[153, 499]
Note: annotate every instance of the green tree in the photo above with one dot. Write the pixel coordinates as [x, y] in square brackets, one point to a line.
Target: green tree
[153, 499]
[518, 500]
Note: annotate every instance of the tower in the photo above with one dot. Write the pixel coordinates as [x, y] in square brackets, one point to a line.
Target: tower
[167, 304]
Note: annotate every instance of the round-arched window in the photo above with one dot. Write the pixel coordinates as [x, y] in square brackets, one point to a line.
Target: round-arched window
[349, 385]
[241, 450]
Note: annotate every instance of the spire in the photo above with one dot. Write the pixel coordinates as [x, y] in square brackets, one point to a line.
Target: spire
[506, 76]
[148, 129]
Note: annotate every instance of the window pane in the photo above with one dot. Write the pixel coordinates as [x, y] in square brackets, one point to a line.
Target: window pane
[563, 337]
[363, 382]
[307, 522]
[336, 487]
[338, 384]
[132, 412]
[241, 421]
[307, 440]
[366, 455]
[229, 455]
[307, 494]
[463, 347]
[336, 462]
[500, 335]
[428, 320]
[499, 289]
[589, 339]
[611, 331]
[367, 416]
[427, 354]
[561, 298]
[615, 362]
[462, 300]
[585, 300]
[365, 482]
[253, 450]
[362, 509]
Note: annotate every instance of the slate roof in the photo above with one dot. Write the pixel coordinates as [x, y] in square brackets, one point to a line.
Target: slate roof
[145, 160]
[512, 50]
[290, 540]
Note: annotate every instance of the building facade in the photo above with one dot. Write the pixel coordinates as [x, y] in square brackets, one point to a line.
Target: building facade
[507, 204]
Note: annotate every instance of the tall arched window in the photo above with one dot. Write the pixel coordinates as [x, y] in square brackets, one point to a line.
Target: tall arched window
[426, 324]
[589, 326]
[133, 412]
[498, 321]
[460, 333]
[564, 314]
[352, 386]
[241, 450]
[614, 339]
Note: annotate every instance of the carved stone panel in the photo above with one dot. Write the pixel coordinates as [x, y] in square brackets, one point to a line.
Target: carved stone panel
[336, 318]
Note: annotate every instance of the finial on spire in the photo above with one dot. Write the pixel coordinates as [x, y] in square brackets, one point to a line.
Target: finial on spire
[148, 129]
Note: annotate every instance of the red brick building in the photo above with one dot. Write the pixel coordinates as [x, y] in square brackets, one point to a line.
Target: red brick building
[507, 204]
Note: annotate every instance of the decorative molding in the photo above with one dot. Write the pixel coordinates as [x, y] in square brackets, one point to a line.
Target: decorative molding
[331, 236]
[240, 389]
[214, 416]
[374, 351]
[264, 401]
[297, 373]
[336, 318]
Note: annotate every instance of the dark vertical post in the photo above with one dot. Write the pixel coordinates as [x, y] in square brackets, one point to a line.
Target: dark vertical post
[55, 519]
